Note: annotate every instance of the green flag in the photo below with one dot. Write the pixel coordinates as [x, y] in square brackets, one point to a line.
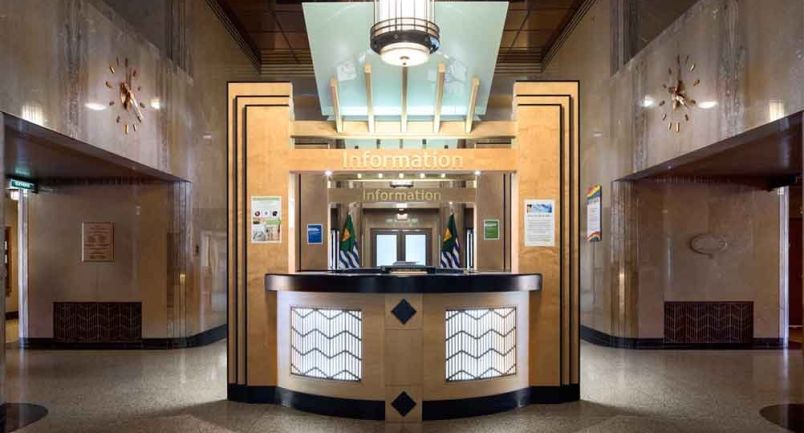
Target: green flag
[451, 246]
[348, 256]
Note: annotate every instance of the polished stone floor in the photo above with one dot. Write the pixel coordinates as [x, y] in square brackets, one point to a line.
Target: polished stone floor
[623, 391]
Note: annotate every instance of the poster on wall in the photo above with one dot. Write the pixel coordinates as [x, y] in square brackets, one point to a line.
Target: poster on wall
[594, 229]
[266, 219]
[97, 242]
[315, 234]
[540, 223]
[491, 230]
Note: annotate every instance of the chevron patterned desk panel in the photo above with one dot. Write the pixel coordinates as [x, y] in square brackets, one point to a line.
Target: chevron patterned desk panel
[480, 343]
[326, 343]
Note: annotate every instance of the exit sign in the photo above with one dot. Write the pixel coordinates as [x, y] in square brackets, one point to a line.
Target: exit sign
[22, 184]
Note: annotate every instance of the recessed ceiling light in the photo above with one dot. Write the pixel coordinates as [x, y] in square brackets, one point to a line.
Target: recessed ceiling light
[707, 104]
[443, 175]
[421, 175]
[477, 172]
[328, 173]
[359, 175]
[379, 175]
[401, 175]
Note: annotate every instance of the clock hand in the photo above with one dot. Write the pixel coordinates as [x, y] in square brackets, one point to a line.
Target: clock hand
[134, 102]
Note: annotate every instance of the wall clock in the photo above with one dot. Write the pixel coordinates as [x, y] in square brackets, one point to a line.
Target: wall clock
[125, 90]
[678, 105]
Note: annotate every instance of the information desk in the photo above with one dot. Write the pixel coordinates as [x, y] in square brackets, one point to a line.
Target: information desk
[402, 347]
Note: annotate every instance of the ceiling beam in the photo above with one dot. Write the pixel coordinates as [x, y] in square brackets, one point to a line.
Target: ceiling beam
[390, 130]
[470, 109]
[336, 104]
[369, 96]
[439, 98]
[404, 122]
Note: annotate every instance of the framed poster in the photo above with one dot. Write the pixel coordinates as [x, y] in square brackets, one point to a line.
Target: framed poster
[315, 234]
[491, 230]
[97, 242]
[594, 230]
[266, 219]
[540, 223]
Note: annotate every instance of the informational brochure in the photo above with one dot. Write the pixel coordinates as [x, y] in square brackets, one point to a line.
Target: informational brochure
[266, 219]
[540, 223]
[491, 230]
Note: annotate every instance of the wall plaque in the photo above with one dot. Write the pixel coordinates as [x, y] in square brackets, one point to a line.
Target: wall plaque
[708, 244]
[98, 242]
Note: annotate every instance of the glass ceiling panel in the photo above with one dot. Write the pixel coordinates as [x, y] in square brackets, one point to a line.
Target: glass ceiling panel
[339, 43]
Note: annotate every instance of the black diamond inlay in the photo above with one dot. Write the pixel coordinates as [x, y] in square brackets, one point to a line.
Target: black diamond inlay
[403, 403]
[404, 311]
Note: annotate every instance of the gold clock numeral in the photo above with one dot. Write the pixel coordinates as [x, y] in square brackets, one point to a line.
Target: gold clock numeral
[125, 128]
[669, 125]
[669, 71]
[697, 82]
[664, 116]
[108, 84]
[661, 104]
[118, 119]
[692, 67]
[134, 125]
[111, 68]
[687, 117]
[678, 126]
[111, 103]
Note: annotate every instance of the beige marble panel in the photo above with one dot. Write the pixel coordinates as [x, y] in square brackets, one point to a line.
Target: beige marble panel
[671, 214]
[137, 274]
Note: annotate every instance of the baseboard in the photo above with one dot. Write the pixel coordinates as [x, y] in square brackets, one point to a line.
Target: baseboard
[602, 339]
[329, 406]
[12, 315]
[202, 339]
[431, 409]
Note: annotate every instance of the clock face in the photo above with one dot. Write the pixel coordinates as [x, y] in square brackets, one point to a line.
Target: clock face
[125, 91]
[678, 104]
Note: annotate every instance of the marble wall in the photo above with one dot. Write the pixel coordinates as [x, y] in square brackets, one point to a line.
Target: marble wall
[749, 58]
[56, 57]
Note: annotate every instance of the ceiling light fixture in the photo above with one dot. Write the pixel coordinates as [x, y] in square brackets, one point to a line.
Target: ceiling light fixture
[404, 31]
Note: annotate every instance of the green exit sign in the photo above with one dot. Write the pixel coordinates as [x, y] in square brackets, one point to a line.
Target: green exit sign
[22, 184]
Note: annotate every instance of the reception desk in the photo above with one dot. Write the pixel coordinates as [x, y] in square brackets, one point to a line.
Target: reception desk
[402, 347]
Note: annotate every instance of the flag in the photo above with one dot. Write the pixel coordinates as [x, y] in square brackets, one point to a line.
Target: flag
[451, 247]
[348, 256]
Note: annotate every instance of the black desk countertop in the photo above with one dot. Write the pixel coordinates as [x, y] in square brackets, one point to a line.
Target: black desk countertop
[379, 281]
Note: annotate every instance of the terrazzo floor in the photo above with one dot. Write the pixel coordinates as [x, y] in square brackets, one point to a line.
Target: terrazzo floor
[623, 391]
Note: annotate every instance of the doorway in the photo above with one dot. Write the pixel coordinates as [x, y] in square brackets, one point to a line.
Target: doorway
[391, 246]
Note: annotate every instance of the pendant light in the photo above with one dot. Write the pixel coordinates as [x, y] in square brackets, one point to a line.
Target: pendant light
[404, 31]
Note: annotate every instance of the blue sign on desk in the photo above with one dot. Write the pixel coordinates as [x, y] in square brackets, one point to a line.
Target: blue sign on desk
[315, 234]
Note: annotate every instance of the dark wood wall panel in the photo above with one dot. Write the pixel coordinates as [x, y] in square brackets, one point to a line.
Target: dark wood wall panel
[708, 322]
[97, 322]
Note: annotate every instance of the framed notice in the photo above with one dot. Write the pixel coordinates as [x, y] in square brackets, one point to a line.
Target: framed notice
[540, 223]
[266, 219]
[315, 234]
[594, 231]
[491, 230]
[98, 242]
